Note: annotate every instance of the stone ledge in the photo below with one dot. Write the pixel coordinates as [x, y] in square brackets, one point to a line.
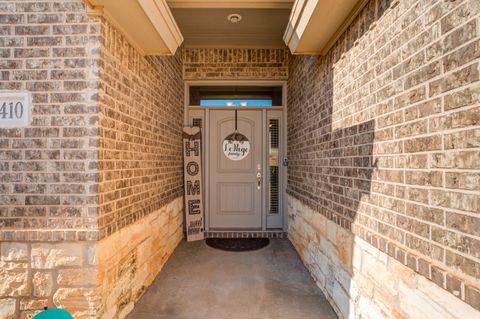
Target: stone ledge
[39, 235]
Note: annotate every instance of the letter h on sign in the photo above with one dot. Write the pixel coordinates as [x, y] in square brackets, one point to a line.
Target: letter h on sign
[189, 148]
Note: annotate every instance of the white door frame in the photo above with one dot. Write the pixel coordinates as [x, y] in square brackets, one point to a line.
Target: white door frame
[203, 113]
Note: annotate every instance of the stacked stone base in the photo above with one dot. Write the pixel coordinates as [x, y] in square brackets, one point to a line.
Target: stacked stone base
[89, 279]
[359, 280]
[130, 259]
[35, 275]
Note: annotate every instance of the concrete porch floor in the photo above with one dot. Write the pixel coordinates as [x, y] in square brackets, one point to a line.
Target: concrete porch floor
[202, 282]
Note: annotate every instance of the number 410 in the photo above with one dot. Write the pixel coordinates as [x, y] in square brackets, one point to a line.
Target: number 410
[11, 110]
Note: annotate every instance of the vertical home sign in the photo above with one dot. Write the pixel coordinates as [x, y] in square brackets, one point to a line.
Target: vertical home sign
[193, 183]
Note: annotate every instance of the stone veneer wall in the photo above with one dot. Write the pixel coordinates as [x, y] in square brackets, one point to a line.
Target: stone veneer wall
[101, 160]
[383, 146]
[362, 281]
[129, 260]
[235, 64]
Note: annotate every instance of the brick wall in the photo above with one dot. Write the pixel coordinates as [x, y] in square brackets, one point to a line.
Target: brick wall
[102, 155]
[48, 170]
[140, 170]
[383, 136]
[141, 121]
[235, 64]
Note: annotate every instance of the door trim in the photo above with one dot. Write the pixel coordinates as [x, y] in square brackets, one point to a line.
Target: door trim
[264, 170]
[204, 113]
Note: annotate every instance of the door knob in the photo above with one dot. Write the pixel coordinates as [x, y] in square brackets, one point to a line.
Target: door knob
[259, 180]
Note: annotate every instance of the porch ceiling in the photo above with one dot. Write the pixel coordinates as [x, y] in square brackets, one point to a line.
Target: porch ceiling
[246, 4]
[209, 27]
[158, 27]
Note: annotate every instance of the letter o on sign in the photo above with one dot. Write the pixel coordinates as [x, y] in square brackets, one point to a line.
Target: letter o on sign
[192, 168]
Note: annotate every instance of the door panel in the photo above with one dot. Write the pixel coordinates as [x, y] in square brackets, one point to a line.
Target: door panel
[235, 198]
[230, 192]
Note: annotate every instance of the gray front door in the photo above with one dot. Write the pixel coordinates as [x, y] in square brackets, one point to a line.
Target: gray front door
[235, 192]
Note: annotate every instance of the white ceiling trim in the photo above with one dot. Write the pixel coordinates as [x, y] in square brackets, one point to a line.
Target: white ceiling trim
[355, 11]
[93, 10]
[296, 16]
[161, 22]
[242, 4]
[315, 25]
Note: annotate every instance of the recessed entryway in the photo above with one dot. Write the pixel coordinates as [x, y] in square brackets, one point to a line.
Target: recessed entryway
[241, 194]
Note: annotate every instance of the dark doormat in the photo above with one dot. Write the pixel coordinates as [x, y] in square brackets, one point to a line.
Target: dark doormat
[237, 244]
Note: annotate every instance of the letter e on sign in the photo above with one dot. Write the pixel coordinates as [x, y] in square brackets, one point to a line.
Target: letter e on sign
[15, 109]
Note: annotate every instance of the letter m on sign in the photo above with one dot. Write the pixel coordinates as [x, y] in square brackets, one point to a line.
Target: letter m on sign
[192, 157]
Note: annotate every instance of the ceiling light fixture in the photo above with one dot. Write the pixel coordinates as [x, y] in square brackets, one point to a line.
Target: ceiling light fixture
[234, 18]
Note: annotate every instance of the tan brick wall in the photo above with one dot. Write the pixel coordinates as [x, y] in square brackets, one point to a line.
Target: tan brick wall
[140, 170]
[141, 121]
[103, 154]
[48, 171]
[383, 136]
[235, 64]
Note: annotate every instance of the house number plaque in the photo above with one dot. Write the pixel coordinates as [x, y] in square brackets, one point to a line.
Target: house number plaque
[15, 110]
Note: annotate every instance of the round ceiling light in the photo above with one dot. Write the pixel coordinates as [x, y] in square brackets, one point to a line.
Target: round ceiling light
[234, 18]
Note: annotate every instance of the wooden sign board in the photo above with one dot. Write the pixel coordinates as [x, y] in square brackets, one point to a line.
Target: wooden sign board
[192, 155]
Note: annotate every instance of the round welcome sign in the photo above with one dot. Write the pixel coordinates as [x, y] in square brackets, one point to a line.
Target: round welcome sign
[236, 146]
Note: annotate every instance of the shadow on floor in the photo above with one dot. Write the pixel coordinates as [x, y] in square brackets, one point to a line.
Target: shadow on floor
[201, 282]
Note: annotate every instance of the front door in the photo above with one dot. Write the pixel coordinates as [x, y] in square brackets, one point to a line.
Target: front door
[235, 185]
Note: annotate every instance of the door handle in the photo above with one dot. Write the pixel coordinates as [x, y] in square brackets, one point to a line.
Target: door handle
[259, 180]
